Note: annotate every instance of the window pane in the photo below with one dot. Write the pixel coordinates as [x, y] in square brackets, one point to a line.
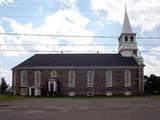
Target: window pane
[71, 77]
[37, 77]
[108, 78]
[23, 78]
[90, 78]
[53, 73]
[127, 78]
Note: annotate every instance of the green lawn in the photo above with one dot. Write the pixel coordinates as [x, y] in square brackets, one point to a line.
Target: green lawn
[9, 98]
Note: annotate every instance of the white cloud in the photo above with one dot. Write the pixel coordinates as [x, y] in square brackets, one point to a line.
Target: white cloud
[67, 22]
[41, 10]
[152, 65]
[5, 1]
[7, 74]
[140, 48]
[9, 39]
[156, 49]
[141, 12]
[69, 3]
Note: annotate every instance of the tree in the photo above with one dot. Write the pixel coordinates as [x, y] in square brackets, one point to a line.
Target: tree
[3, 85]
[152, 85]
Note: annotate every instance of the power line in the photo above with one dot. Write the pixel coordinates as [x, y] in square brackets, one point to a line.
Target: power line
[34, 17]
[30, 8]
[54, 51]
[61, 35]
[69, 51]
[22, 16]
[10, 44]
[59, 44]
[78, 4]
[76, 36]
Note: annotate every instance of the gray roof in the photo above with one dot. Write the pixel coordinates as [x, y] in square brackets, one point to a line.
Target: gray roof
[77, 60]
[126, 24]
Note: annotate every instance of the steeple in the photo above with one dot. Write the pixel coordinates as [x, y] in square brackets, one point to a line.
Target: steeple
[127, 40]
[126, 24]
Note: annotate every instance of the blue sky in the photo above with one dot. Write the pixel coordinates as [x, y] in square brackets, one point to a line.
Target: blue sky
[75, 17]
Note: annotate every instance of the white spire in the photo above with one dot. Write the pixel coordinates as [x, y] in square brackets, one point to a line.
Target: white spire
[126, 24]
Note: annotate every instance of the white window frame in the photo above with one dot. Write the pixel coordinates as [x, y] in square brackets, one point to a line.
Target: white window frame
[14, 82]
[53, 73]
[23, 91]
[14, 79]
[109, 93]
[127, 78]
[37, 78]
[90, 78]
[71, 78]
[127, 93]
[109, 78]
[24, 78]
[71, 93]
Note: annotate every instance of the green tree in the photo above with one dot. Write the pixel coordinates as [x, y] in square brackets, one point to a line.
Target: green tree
[152, 85]
[3, 85]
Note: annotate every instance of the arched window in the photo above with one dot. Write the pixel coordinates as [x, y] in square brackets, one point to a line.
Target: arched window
[14, 78]
[14, 82]
[53, 73]
[127, 78]
[23, 78]
[126, 39]
[90, 78]
[71, 78]
[37, 78]
[108, 78]
[132, 38]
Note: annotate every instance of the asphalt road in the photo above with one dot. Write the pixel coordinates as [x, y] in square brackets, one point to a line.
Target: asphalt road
[133, 108]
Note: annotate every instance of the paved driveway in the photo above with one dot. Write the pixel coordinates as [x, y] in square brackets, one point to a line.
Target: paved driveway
[133, 108]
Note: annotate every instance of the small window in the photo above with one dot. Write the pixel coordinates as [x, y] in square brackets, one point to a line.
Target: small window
[90, 78]
[37, 77]
[53, 73]
[127, 78]
[71, 78]
[90, 93]
[23, 78]
[109, 93]
[132, 38]
[14, 79]
[71, 93]
[126, 39]
[23, 91]
[127, 93]
[108, 78]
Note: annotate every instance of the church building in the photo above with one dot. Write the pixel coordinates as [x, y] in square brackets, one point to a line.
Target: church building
[83, 74]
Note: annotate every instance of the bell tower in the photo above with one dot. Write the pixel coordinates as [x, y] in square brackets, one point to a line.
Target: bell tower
[127, 40]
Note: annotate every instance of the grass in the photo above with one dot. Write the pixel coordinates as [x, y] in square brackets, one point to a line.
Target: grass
[85, 97]
[10, 98]
[156, 97]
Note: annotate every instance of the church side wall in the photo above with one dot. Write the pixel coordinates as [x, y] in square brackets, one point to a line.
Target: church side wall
[81, 88]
